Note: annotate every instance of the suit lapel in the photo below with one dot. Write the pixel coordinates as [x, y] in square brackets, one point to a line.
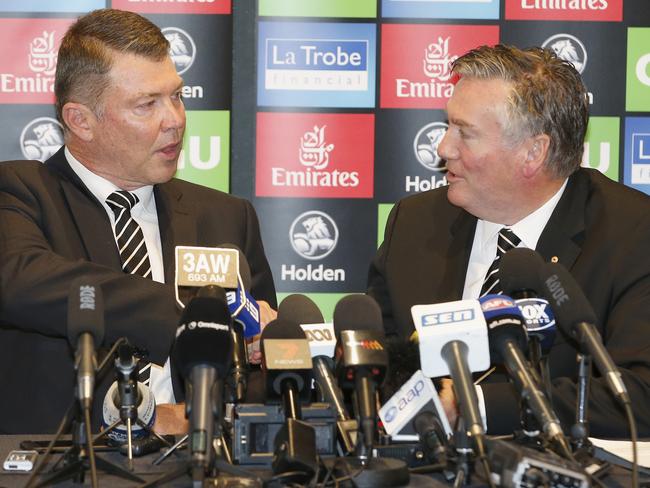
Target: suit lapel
[563, 235]
[177, 226]
[460, 247]
[92, 222]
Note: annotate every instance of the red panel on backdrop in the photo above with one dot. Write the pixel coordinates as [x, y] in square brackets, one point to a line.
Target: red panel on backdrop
[175, 7]
[416, 61]
[315, 155]
[28, 59]
[597, 10]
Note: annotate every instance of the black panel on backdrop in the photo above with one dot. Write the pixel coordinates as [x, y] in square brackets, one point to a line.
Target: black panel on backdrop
[318, 245]
[29, 132]
[588, 45]
[201, 48]
[406, 158]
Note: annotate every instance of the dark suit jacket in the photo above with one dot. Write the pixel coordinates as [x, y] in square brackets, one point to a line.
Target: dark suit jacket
[600, 231]
[52, 230]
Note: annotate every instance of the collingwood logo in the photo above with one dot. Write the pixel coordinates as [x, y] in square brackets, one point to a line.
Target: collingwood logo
[313, 235]
[437, 67]
[568, 48]
[314, 155]
[41, 138]
[425, 146]
[41, 61]
[181, 48]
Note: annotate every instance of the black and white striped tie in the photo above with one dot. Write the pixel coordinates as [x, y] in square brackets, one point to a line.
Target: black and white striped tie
[128, 234]
[507, 240]
[133, 250]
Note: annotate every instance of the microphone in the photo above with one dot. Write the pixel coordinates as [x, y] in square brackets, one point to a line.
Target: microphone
[244, 309]
[127, 400]
[287, 365]
[203, 351]
[246, 323]
[302, 310]
[454, 341]
[577, 318]
[85, 330]
[363, 360]
[507, 336]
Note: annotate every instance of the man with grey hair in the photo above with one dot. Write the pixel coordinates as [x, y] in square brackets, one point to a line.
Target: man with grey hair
[106, 207]
[517, 122]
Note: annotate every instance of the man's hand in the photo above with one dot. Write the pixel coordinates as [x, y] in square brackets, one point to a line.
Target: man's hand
[170, 419]
[267, 314]
[448, 400]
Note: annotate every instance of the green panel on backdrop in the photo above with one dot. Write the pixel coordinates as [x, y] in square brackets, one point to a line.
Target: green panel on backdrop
[205, 158]
[383, 210]
[319, 8]
[637, 92]
[602, 144]
[325, 301]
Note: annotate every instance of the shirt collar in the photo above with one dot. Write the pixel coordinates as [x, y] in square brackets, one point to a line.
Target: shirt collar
[101, 188]
[529, 229]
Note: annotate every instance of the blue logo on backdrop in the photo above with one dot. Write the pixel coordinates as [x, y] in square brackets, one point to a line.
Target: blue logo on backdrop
[441, 9]
[637, 153]
[316, 64]
[50, 6]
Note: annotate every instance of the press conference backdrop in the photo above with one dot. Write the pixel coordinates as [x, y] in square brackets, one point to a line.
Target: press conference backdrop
[326, 112]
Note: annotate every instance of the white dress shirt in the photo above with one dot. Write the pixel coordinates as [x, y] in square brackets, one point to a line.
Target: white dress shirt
[145, 214]
[484, 250]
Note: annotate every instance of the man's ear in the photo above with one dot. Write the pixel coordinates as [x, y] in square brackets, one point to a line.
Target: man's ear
[536, 154]
[80, 120]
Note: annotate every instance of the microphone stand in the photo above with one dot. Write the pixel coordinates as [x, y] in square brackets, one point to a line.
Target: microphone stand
[580, 430]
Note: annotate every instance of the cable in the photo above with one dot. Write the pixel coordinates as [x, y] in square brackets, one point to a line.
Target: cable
[91, 448]
[633, 437]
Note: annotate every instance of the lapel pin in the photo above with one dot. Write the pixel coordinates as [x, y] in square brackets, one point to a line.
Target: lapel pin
[555, 259]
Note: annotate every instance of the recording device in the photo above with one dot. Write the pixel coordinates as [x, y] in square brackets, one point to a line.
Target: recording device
[363, 361]
[203, 351]
[454, 341]
[20, 461]
[85, 331]
[287, 366]
[507, 335]
[517, 466]
[578, 319]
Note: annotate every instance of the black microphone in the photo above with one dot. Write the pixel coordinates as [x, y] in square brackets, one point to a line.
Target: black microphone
[85, 331]
[507, 335]
[287, 365]
[363, 361]
[203, 351]
[576, 317]
[302, 310]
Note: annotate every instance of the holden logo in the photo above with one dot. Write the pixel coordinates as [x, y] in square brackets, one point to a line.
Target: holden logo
[426, 144]
[568, 48]
[391, 414]
[41, 138]
[313, 235]
[181, 48]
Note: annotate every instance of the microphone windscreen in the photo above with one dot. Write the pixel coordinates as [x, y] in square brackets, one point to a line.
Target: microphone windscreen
[300, 309]
[569, 303]
[282, 329]
[519, 270]
[358, 312]
[203, 336]
[404, 361]
[85, 310]
[244, 267]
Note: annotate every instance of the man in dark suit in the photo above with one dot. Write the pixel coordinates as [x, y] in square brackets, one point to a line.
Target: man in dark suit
[118, 97]
[517, 122]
